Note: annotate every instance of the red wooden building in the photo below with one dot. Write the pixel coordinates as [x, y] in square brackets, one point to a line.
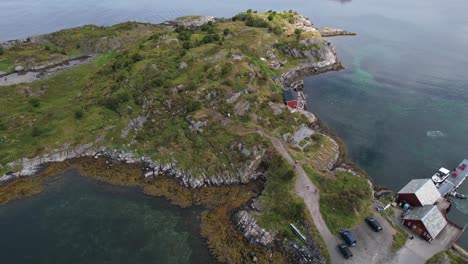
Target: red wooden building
[419, 192]
[290, 98]
[426, 221]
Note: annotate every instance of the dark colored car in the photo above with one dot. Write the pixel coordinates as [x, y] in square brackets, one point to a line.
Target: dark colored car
[344, 249]
[348, 237]
[374, 224]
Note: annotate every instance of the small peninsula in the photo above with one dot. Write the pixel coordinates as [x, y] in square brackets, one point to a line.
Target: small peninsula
[191, 110]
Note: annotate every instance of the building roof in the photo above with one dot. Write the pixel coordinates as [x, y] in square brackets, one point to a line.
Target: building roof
[431, 217]
[424, 189]
[289, 95]
[414, 185]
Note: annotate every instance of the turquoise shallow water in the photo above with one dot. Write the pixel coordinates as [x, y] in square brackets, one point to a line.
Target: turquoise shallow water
[401, 104]
[79, 220]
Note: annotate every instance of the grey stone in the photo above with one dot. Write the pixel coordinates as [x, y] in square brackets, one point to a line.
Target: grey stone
[233, 98]
[237, 57]
[249, 227]
[183, 65]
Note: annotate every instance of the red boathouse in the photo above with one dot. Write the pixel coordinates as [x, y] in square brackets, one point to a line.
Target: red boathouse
[290, 98]
[426, 221]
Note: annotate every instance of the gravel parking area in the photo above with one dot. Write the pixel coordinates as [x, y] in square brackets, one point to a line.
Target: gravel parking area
[371, 247]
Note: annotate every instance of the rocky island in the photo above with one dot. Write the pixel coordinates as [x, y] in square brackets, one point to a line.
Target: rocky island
[192, 110]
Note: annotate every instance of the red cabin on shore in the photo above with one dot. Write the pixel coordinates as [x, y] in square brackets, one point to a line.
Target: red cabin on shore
[290, 98]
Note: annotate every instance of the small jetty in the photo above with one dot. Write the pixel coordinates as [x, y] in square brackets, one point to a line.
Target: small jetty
[452, 180]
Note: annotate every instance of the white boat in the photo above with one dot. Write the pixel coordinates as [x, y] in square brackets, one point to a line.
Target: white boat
[440, 176]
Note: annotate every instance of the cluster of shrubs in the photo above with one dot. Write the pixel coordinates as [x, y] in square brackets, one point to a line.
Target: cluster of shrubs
[185, 34]
[55, 49]
[255, 21]
[251, 20]
[114, 100]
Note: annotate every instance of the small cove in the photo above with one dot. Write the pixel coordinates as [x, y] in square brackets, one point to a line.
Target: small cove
[78, 219]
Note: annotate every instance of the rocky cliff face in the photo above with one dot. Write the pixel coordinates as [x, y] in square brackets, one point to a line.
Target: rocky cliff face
[243, 173]
[319, 57]
[249, 227]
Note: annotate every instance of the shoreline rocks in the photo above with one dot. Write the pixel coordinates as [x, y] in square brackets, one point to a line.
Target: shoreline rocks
[243, 174]
[191, 22]
[32, 74]
[333, 32]
[247, 224]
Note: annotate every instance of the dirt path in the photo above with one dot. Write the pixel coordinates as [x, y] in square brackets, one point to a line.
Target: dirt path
[311, 199]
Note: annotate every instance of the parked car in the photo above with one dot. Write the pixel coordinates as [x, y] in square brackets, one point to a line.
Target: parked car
[348, 237]
[344, 249]
[374, 224]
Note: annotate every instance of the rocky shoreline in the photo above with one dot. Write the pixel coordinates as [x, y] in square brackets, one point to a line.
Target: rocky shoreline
[333, 32]
[32, 74]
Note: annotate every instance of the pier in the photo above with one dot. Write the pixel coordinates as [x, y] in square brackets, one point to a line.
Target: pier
[455, 180]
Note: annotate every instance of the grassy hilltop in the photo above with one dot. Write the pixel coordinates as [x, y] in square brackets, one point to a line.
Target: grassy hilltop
[202, 91]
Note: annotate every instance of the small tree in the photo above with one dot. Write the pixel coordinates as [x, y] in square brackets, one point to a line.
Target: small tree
[1, 51]
[298, 33]
[186, 45]
[226, 31]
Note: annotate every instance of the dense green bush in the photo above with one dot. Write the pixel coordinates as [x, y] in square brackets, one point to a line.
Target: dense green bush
[184, 35]
[79, 113]
[186, 45]
[114, 101]
[208, 27]
[241, 17]
[34, 102]
[277, 30]
[210, 38]
[1, 51]
[226, 31]
[36, 132]
[137, 57]
[193, 106]
[226, 69]
[256, 22]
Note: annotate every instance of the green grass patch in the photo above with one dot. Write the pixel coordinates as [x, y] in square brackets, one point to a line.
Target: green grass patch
[452, 257]
[282, 206]
[6, 66]
[344, 201]
[263, 67]
[400, 238]
[456, 259]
